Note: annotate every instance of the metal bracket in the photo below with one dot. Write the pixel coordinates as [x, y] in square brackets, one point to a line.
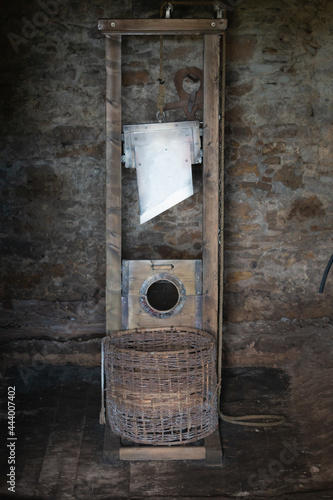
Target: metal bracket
[198, 277]
[198, 312]
[125, 278]
[124, 312]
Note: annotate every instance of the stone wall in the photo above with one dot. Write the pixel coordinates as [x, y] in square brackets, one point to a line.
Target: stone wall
[278, 160]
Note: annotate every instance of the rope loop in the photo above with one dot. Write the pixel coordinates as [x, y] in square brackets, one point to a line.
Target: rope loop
[252, 420]
[160, 116]
[161, 90]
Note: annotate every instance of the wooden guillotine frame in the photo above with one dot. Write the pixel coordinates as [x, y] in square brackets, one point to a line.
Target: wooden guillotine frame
[213, 32]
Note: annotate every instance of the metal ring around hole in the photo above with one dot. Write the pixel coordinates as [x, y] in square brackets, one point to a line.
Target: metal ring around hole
[159, 277]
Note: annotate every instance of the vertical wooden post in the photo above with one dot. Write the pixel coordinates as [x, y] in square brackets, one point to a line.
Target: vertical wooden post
[113, 183]
[210, 235]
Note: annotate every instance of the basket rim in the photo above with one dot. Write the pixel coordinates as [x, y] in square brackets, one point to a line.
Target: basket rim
[182, 330]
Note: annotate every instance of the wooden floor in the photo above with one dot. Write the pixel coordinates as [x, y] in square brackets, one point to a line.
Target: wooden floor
[59, 446]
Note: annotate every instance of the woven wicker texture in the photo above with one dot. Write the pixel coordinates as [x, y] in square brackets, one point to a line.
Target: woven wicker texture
[161, 385]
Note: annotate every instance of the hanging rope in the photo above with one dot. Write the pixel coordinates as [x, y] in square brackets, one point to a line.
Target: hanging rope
[221, 226]
[102, 419]
[246, 420]
[160, 115]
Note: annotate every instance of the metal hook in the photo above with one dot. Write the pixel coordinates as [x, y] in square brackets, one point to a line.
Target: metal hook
[168, 10]
[218, 8]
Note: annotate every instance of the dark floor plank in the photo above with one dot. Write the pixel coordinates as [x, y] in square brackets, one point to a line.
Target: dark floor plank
[48, 479]
[68, 468]
[34, 439]
[61, 442]
[173, 479]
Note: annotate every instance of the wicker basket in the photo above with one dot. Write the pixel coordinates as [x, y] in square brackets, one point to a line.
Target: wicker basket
[161, 385]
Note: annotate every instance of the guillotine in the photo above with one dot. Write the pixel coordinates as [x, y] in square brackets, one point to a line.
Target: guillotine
[126, 309]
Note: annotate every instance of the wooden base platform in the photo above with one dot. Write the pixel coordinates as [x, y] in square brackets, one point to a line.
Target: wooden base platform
[209, 450]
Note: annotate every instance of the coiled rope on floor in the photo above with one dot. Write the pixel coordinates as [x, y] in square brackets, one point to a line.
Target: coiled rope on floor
[252, 420]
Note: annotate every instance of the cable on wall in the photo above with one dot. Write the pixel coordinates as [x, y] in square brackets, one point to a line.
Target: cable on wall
[246, 420]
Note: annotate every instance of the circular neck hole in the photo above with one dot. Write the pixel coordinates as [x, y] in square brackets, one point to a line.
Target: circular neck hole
[162, 295]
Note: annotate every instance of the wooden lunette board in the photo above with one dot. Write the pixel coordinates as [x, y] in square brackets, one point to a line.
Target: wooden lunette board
[136, 272]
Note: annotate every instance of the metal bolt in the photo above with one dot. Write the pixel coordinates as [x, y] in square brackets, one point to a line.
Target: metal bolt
[212, 24]
[113, 24]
